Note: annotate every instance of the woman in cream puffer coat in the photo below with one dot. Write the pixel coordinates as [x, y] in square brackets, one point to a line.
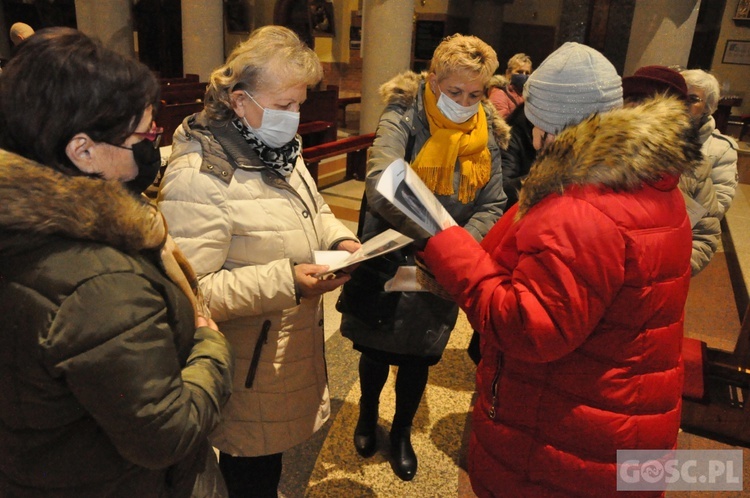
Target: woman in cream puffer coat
[243, 229]
[244, 209]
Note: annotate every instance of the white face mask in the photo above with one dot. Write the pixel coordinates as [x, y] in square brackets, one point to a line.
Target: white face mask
[455, 111]
[277, 128]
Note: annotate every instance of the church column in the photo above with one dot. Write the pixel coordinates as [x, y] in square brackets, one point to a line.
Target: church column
[111, 22]
[486, 23]
[386, 51]
[662, 33]
[202, 36]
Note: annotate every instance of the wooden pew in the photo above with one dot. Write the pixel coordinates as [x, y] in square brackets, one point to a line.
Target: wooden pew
[170, 116]
[180, 93]
[723, 111]
[345, 101]
[188, 78]
[320, 108]
[355, 149]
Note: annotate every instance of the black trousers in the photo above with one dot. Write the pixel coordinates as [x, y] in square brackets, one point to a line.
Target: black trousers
[251, 477]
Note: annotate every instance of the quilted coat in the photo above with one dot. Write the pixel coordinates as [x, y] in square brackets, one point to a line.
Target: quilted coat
[578, 294]
[417, 323]
[720, 152]
[106, 387]
[701, 198]
[243, 228]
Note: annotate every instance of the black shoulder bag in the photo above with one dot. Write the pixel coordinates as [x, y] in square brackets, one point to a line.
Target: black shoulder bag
[364, 296]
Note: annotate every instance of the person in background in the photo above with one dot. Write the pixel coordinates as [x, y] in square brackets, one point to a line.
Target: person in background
[697, 186]
[113, 375]
[719, 151]
[520, 154]
[242, 205]
[19, 32]
[506, 93]
[578, 291]
[441, 123]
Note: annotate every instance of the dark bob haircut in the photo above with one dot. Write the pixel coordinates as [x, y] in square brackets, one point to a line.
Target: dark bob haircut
[59, 83]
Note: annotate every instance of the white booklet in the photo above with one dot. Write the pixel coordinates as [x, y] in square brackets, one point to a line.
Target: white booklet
[383, 243]
[404, 189]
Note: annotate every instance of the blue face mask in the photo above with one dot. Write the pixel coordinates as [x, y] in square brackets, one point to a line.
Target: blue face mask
[518, 81]
[277, 128]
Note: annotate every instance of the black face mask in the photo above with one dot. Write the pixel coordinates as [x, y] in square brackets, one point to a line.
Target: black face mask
[148, 160]
[518, 81]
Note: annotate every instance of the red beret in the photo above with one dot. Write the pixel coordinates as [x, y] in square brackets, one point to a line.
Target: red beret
[650, 80]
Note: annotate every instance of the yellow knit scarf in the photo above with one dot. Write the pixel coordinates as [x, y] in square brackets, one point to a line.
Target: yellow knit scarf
[449, 141]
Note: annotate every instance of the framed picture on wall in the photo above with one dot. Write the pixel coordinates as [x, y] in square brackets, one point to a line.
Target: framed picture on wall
[743, 10]
[736, 52]
[321, 18]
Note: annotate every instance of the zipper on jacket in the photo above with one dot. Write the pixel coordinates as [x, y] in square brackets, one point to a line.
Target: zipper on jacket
[309, 193]
[495, 382]
[262, 339]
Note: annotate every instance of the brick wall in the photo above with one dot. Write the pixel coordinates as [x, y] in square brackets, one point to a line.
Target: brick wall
[347, 76]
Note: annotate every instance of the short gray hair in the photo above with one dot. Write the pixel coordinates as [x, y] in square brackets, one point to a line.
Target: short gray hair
[272, 57]
[707, 82]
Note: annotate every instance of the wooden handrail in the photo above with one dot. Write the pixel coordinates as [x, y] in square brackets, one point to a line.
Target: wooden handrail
[342, 146]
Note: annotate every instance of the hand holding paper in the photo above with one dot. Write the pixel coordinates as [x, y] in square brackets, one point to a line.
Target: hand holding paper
[383, 243]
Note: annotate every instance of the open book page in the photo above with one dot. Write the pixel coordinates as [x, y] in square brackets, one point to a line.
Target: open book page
[383, 243]
[404, 189]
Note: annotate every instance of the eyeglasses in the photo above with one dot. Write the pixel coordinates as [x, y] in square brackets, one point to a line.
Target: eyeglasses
[153, 136]
[694, 99]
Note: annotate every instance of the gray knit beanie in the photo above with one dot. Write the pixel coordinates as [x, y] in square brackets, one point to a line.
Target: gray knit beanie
[572, 83]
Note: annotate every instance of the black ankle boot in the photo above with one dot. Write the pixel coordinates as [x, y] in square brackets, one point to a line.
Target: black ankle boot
[364, 433]
[403, 458]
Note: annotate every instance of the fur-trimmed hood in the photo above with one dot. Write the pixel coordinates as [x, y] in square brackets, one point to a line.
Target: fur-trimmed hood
[40, 201]
[403, 89]
[498, 81]
[621, 149]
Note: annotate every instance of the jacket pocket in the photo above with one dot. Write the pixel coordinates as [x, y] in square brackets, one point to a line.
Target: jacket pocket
[262, 339]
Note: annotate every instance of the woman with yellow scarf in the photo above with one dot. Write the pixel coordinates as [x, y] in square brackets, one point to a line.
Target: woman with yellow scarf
[442, 124]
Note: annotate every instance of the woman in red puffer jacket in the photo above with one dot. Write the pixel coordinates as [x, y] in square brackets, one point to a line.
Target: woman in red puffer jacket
[578, 292]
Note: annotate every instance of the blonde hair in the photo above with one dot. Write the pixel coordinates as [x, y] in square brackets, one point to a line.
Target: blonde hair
[518, 60]
[462, 54]
[273, 57]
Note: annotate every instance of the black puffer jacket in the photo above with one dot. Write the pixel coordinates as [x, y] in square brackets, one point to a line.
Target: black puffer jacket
[106, 387]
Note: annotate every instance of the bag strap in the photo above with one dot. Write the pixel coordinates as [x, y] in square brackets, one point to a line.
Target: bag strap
[510, 96]
[363, 204]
